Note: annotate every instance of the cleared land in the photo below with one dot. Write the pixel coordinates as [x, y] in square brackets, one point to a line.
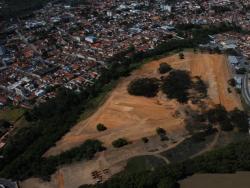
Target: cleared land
[239, 180]
[135, 117]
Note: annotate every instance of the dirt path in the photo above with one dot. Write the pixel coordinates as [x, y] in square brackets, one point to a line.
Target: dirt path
[210, 146]
[60, 179]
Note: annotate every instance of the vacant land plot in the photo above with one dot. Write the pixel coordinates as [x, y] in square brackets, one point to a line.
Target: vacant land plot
[133, 117]
[11, 114]
[239, 180]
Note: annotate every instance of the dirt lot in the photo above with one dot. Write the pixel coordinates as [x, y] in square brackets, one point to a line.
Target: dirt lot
[239, 180]
[134, 117]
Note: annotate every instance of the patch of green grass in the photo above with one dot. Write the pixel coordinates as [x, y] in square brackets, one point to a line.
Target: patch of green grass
[144, 163]
[11, 114]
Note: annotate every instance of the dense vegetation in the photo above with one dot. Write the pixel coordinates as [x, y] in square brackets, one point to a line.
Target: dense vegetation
[147, 87]
[4, 126]
[101, 127]
[176, 85]
[86, 151]
[228, 120]
[164, 68]
[23, 152]
[120, 142]
[17, 7]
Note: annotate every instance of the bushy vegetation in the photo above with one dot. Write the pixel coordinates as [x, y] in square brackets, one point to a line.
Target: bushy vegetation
[17, 7]
[232, 82]
[164, 68]
[147, 87]
[181, 56]
[20, 168]
[227, 120]
[200, 87]
[145, 139]
[120, 142]
[4, 126]
[162, 133]
[101, 127]
[176, 85]
[86, 151]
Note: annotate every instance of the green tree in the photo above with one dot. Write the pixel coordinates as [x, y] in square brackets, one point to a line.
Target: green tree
[101, 127]
[164, 68]
[147, 87]
[176, 85]
[119, 142]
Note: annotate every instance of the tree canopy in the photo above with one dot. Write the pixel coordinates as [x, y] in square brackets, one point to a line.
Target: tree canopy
[147, 87]
[176, 85]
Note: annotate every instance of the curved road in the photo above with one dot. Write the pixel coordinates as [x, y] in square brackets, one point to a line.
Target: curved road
[245, 89]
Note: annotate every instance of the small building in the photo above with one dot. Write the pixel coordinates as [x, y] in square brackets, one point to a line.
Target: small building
[238, 80]
[233, 60]
[166, 8]
[5, 183]
[91, 39]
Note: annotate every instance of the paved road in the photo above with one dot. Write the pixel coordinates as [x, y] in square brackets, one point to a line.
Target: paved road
[245, 89]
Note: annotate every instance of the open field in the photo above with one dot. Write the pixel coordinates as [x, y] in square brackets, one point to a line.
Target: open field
[11, 114]
[239, 180]
[135, 117]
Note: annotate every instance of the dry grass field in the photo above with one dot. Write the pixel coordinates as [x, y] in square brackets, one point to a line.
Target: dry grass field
[133, 117]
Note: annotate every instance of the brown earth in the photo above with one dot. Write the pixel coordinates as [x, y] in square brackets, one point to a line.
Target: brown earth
[134, 117]
[239, 180]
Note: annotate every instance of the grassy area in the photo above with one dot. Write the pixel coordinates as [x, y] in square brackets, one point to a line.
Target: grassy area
[144, 163]
[226, 138]
[11, 114]
[187, 148]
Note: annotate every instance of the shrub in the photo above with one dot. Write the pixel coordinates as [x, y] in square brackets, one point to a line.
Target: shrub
[232, 82]
[226, 125]
[181, 56]
[200, 86]
[145, 139]
[239, 119]
[164, 68]
[147, 87]
[101, 127]
[160, 131]
[119, 142]
[241, 71]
